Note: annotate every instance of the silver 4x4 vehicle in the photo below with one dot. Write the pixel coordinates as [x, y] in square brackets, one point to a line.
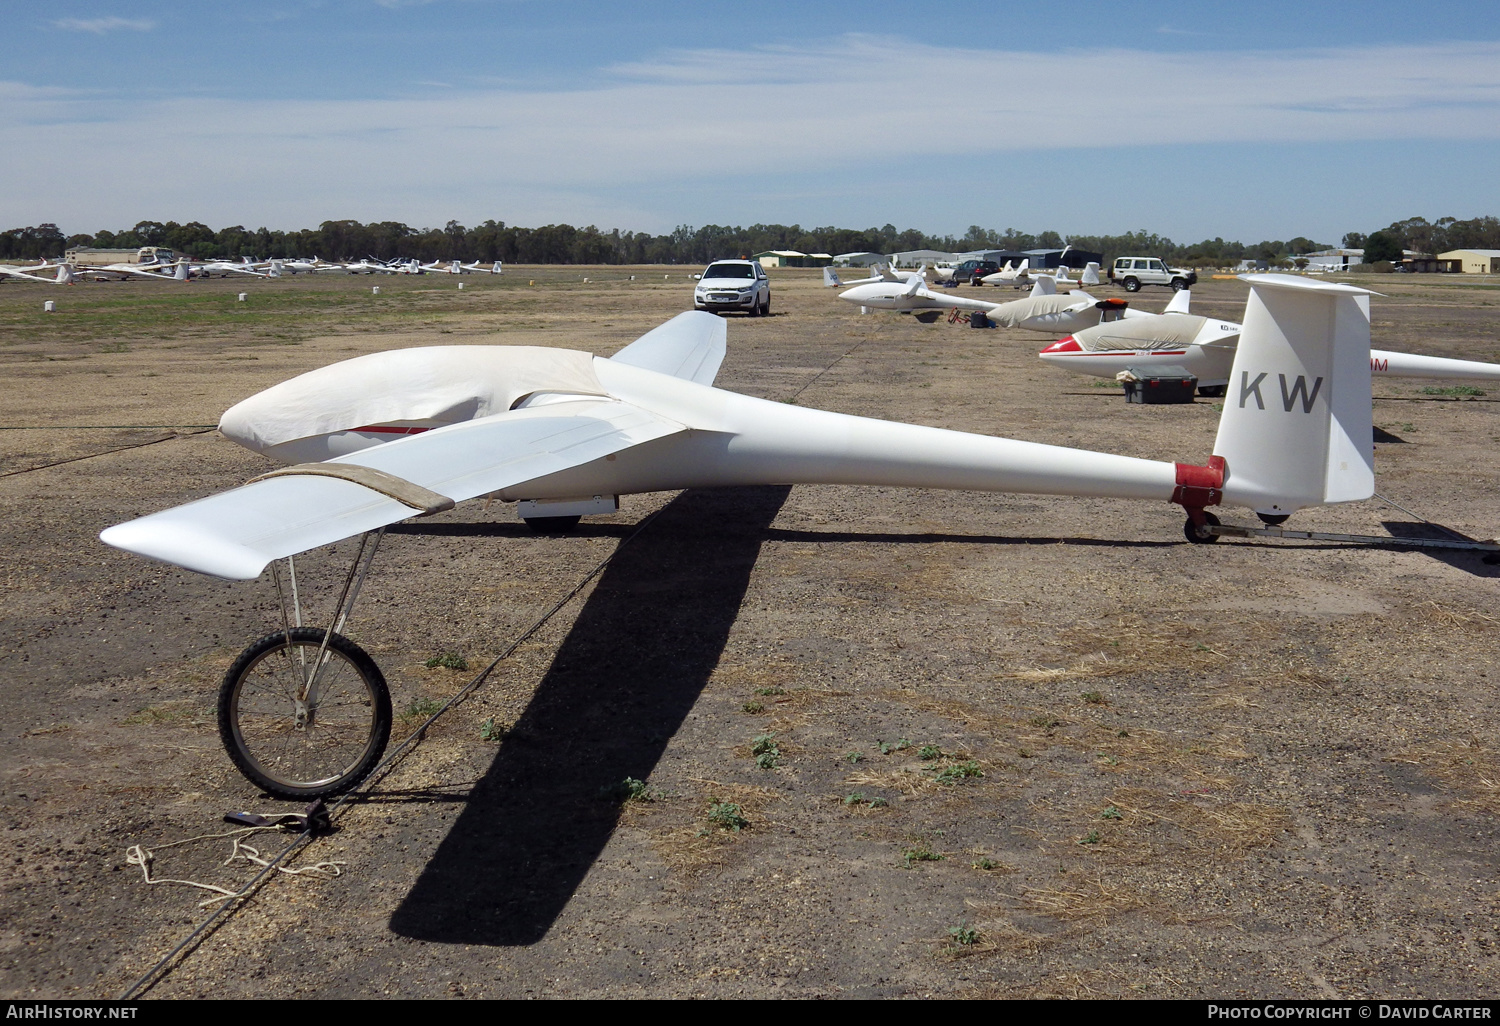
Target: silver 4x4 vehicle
[1130, 273]
[733, 285]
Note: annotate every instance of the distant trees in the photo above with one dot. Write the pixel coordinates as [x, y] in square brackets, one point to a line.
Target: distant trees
[566, 244]
[1383, 246]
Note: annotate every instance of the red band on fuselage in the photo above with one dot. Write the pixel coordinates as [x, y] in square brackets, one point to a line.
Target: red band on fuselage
[389, 429]
[1200, 486]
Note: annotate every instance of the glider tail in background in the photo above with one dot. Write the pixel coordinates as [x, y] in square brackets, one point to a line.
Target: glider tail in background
[1296, 429]
[831, 278]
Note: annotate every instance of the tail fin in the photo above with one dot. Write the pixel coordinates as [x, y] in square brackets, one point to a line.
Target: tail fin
[1044, 286]
[830, 278]
[181, 273]
[1181, 302]
[884, 270]
[1296, 429]
[1090, 274]
[914, 285]
[65, 275]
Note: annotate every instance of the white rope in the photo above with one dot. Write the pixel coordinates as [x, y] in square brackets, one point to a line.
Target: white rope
[140, 855]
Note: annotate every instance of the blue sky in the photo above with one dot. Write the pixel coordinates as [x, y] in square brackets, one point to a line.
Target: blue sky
[1245, 121]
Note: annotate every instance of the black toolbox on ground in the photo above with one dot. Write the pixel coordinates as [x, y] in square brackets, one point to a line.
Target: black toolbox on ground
[1159, 385]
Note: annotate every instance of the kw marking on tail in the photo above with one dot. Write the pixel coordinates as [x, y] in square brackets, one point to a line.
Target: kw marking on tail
[1289, 397]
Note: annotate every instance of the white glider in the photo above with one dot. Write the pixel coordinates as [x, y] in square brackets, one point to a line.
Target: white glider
[1205, 347]
[1045, 309]
[64, 276]
[381, 438]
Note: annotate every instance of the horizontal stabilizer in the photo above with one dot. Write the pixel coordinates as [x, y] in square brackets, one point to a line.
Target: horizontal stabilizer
[235, 534]
[689, 346]
[1181, 302]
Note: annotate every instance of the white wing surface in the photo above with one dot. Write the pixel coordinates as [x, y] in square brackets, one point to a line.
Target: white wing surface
[690, 346]
[236, 533]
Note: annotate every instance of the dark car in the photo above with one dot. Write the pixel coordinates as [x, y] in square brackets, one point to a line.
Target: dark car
[972, 270]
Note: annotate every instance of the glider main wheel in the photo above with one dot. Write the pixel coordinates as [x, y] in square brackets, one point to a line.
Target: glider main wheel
[1273, 519]
[1213, 391]
[552, 525]
[289, 747]
[1196, 534]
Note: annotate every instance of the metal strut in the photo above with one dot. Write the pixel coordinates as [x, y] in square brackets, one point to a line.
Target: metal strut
[307, 698]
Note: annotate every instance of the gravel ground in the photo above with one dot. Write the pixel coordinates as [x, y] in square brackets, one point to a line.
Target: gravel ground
[1026, 746]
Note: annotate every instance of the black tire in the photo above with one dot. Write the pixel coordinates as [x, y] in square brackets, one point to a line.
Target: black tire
[1273, 519]
[338, 744]
[1190, 530]
[754, 310]
[552, 525]
[1178, 284]
[1131, 284]
[765, 308]
[1213, 391]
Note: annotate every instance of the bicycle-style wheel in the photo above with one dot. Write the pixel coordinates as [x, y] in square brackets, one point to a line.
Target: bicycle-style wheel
[292, 747]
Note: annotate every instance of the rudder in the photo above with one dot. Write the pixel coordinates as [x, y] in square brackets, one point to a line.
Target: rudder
[1296, 429]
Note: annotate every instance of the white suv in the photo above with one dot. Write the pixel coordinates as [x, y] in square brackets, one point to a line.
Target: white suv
[1132, 272]
[734, 285]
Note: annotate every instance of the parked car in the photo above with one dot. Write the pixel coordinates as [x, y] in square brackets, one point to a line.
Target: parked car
[733, 285]
[972, 271]
[1130, 273]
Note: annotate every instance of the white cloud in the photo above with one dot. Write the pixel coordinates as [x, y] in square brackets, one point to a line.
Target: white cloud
[853, 103]
[104, 26]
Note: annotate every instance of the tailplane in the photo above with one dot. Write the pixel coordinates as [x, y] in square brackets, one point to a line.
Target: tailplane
[1181, 302]
[1296, 429]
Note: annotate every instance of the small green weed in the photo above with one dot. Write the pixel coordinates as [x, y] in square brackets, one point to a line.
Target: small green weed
[770, 692]
[855, 758]
[858, 798]
[1092, 837]
[984, 864]
[766, 753]
[489, 730]
[898, 745]
[422, 707]
[448, 660]
[1045, 721]
[929, 752]
[630, 790]
[920, 852]
[958, 771]
[727, 816]
[1111, 813]
[1095, 698]
[753, 707]
[963, 935]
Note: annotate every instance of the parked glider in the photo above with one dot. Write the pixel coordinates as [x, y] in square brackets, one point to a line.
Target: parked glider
[380, 438]
[64, 275]
[1205, 347]
[1043, 310]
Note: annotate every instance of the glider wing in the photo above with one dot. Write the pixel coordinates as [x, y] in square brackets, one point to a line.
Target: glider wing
[236, 533]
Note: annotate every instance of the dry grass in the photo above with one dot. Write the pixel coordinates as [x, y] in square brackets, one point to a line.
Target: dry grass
[1232, 828]
[1095, 900]
[1467, 767]
[699, 845]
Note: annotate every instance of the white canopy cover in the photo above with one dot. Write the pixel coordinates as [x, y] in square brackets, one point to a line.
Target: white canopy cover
[425, 388]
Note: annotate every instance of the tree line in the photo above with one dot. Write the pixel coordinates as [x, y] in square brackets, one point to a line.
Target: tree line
[565, 244]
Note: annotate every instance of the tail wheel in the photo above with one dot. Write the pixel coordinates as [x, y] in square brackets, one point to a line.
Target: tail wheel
[1196, 534]
[295, 745]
